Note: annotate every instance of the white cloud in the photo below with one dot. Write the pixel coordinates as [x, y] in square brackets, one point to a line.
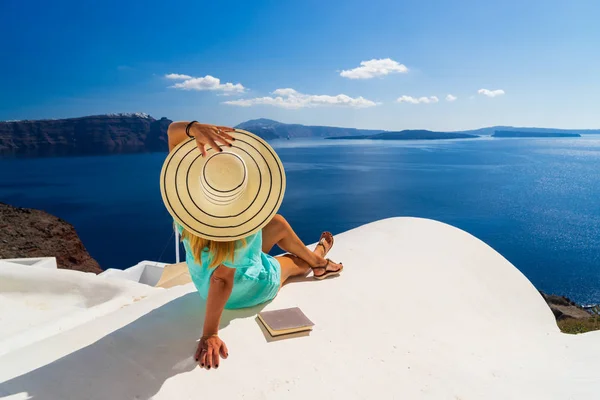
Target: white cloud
[292, 99]
[491, 93]
[177, 76]
[451, 98]
[417, 100]
[374, 68]
[285, 92]
[204, 83]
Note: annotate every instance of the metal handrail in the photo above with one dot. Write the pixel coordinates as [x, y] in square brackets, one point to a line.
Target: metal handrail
[176, 245]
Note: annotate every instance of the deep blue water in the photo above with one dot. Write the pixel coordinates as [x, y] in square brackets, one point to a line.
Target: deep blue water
[536, 201]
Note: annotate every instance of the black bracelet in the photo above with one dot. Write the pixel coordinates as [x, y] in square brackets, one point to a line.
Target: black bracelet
[187, 128]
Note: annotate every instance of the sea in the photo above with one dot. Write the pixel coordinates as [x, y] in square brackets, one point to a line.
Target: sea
[536, 201]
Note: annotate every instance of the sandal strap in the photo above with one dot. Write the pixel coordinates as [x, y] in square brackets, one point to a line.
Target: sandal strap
[323, 266]
[321, 244]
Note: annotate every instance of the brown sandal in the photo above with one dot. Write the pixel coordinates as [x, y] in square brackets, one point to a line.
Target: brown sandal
[327, 273]
[322, 243]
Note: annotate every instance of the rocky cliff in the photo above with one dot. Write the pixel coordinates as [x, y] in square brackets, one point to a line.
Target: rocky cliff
[26, 232]
[100, 134]
[571, 317]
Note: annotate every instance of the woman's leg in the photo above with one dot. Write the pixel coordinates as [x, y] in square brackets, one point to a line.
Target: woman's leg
[292, 266]
[278, 231]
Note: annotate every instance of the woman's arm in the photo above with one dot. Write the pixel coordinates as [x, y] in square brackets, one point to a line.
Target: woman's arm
[211, 346]
[221, 284]
[204, 134]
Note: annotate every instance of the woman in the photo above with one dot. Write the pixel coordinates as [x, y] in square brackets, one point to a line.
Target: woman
[204, 190]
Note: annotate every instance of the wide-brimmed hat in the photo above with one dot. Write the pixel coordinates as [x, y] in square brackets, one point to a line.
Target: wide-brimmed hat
[227, 195]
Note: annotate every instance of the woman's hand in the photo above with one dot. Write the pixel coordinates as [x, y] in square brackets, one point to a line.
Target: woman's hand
[211, 346]
[209, 350]
[211, 134]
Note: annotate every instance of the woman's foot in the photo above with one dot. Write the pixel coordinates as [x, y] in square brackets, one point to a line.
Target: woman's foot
[325, 267]
[325, 244]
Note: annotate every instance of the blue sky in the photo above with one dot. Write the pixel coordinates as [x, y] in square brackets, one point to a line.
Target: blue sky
[537, 63]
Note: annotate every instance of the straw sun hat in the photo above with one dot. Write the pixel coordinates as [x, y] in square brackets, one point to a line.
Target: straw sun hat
[227, 195]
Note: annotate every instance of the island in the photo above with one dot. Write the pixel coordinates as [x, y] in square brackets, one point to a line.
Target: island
[410, 135]
[522, 134]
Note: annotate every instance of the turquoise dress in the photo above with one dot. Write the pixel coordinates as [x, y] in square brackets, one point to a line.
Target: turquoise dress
[257, 275]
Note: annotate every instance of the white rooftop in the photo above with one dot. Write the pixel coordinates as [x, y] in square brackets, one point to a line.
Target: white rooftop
[37, 300]
[422, 311]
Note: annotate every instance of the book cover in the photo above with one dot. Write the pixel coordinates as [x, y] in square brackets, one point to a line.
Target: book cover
[284, 321]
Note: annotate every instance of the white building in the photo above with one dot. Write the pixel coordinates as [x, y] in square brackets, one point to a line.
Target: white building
[422, 311]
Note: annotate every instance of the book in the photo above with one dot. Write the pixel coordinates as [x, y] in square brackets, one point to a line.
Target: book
[285, 321]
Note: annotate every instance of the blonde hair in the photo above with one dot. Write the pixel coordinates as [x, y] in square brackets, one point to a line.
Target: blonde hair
[219, 251]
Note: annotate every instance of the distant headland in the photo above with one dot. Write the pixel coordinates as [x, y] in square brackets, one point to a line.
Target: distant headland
[520, 134]
[140, 132]
[411, 135]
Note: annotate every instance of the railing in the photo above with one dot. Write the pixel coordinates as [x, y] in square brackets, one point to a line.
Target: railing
[593, 309]
[176, 245]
